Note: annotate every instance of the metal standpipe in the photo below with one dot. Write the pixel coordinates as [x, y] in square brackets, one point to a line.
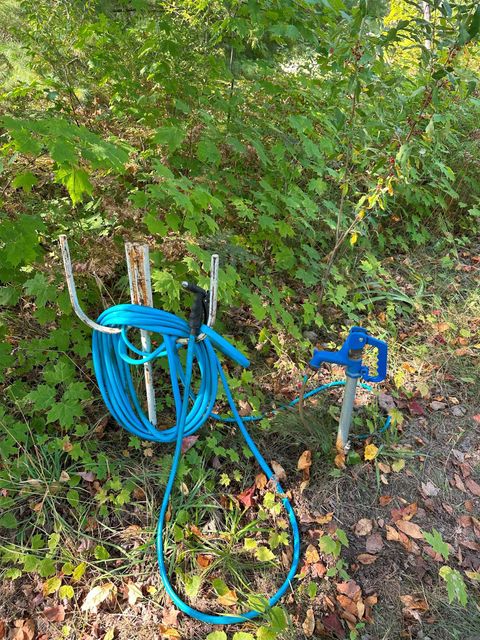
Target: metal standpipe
[346, 413]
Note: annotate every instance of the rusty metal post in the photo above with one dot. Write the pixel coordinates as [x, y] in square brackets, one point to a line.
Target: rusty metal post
[138, 264]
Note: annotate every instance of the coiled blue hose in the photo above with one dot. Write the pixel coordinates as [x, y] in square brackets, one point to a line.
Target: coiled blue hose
[112, 362]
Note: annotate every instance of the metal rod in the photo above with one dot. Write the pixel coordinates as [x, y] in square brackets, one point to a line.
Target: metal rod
[212, 306]
[346, 413]
[138, 264]
[213, 298]
[72, 290]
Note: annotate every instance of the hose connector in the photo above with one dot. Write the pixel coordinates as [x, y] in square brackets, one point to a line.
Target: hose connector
[199, 310]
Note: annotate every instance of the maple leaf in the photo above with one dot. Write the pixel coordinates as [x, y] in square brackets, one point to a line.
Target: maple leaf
[311, 554]
[246, 497]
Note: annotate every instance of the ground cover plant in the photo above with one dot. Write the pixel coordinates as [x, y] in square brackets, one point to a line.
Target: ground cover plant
[328, 151]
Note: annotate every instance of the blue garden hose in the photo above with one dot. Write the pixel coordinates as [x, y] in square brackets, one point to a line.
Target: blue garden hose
[112, 362]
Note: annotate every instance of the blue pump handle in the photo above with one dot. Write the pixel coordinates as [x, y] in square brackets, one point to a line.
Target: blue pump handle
[350, 356]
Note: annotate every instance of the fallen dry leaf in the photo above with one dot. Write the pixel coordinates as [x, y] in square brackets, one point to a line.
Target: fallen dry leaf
[278, 470]
[3, 629]
[24, 630]
[97, 595]
[458, 482]
[305, 461]
[429, 490]
[414, 606]
[363, 527]
[246, 497]
[410, 528]
[168, 632]
[54, 614]
[324, 519]
[133, 593]
[473, 486]
[169, 616]
[308, 624]
[384, 467]
[405, 513]
[311, 554]
[392, 534]
[384, 500]
[374, 543]
[261, 481]
[332, 623]
[204, 561]
[188, 442]
[228, 599]
[366, 558]
[318, 570]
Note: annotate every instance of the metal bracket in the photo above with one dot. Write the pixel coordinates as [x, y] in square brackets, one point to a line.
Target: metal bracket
[138, 264]
[72, 290]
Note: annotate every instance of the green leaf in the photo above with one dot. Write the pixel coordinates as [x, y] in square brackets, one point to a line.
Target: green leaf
[217, 635]
[192, 586]
[171, 137]
[53, 540]
[65, 412]
[456, 588]
[39, 288]
[42, 397]
[73, 498]
[437, 543]
[8, 521]
[76, 181]
[264, 633]
[342, 536]
[25, 181]
[207, 151]
[474, 26]
[101, 553]
[278, 619]
[21, 238]
[46, 567]
[242, 635]
[264, 554]
[220, 586]
[328, 545]
[66, 591]
[79, 571]
[52, 585]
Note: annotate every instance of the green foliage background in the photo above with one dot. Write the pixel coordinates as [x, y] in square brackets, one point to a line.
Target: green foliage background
[307, 142]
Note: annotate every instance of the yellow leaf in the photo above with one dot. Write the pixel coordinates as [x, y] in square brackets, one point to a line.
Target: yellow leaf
[398, 465]
[353, 238]
[311, 555]
[168, 632]
[361, 214]
[370, 452]
[228, 599]
[110, 634]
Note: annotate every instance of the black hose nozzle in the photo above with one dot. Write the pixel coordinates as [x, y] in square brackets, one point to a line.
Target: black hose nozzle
[198, 312]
